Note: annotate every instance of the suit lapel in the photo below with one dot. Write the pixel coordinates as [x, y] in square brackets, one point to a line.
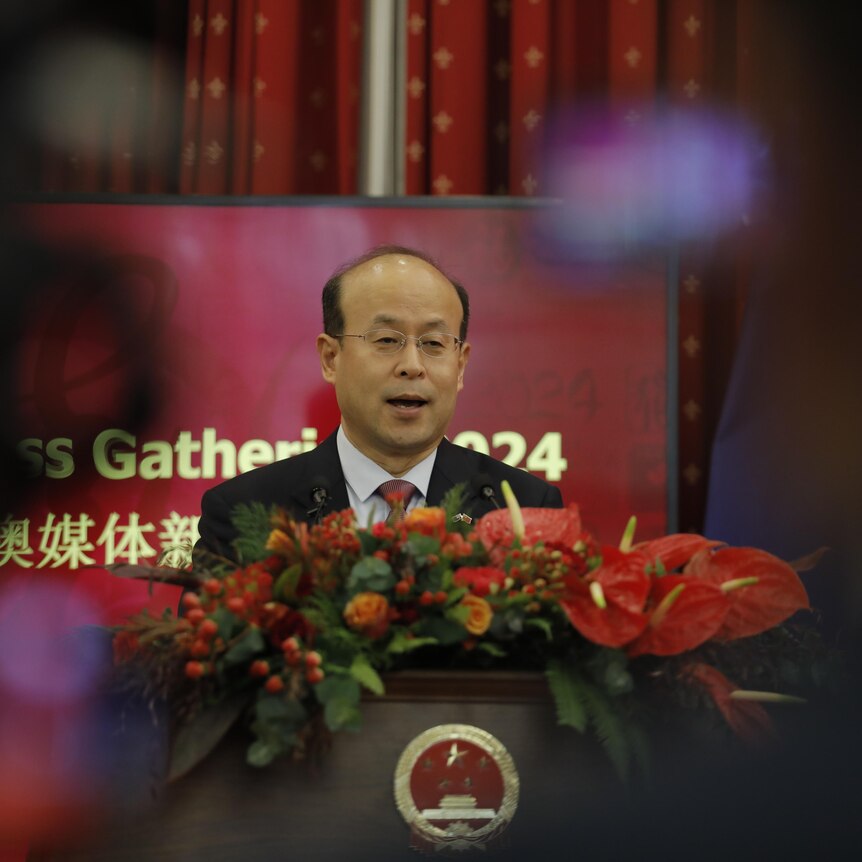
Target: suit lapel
[324, 465]
[453, 467]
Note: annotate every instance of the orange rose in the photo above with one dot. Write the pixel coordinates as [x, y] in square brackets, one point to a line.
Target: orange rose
[480, 614]
[368, 613]
[427, 520]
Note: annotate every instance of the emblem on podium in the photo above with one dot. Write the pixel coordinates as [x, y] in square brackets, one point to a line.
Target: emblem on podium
[457, 788]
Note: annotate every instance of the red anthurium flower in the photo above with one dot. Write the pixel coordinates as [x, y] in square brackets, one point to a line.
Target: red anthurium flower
[606, 606]
[763, 591]
[540, 525]
[685, 613]
[748, 719]
[675, 550]
[479, 580]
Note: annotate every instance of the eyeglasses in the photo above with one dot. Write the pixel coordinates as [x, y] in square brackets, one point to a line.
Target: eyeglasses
[389, 341]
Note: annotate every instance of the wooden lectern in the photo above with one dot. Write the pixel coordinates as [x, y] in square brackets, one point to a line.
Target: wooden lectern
[343, 808]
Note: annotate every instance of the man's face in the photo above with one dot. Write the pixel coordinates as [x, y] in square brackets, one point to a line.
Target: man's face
[395, 408]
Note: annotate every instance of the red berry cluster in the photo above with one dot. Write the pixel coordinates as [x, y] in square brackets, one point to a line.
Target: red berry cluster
[203, 641]
[337, 532]
[297, 657]
[299, 663]
[456, 546]
[244, 592]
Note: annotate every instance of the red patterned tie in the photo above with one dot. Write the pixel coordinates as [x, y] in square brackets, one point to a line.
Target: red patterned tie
[402, 488]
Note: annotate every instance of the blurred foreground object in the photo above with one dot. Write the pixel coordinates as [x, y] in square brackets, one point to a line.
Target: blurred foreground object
[671, 176]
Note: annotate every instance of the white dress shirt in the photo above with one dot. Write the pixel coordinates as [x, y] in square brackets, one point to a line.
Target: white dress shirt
[363, 477]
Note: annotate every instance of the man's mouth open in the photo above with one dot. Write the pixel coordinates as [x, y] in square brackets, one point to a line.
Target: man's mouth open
[407, 403]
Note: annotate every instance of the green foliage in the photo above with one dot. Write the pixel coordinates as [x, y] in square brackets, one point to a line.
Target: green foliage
[491, 649]
[581, 703]
[401, 643]
[250, 644]
[542, 624]
[444, 631]
[452, 504]
[339, 694]
[277, 722]
[253, 523]
[458, 613]
[566, 688]
[362, 671]
[609, 728]
[368, 543]
[420, 546]
[226, 621]
[370, 574]
[609, 668]
[285, 586]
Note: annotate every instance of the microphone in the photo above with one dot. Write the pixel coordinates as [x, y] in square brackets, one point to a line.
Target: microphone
[320, 496]
[483, 486]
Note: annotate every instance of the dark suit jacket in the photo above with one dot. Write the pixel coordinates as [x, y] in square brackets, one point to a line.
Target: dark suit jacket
[289, 484]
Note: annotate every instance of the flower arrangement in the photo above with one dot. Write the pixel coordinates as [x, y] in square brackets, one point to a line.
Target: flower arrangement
[314, 614]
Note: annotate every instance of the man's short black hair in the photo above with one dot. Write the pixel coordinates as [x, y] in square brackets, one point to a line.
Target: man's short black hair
[333, 318]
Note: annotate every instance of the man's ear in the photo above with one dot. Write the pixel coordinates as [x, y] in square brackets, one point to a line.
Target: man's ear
[462, 363]
[328, 349]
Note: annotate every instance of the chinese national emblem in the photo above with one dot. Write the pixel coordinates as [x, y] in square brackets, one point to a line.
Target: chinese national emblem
[456, 786]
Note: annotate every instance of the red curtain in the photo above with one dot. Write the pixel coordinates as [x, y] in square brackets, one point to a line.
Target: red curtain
[271, 97]
[483, 79]
[484, 74]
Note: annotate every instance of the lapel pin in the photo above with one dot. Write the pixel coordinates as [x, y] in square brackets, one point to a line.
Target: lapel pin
[462, 517]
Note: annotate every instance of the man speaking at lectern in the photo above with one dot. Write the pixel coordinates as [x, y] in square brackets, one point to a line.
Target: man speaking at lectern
[394, 346]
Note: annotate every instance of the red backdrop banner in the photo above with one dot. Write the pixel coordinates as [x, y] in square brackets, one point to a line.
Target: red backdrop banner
[221, 305]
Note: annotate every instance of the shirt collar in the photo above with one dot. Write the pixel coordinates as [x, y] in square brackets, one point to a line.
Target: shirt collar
[364, 476]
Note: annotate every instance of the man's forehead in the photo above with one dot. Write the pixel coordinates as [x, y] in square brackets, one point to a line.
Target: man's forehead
[384, 262]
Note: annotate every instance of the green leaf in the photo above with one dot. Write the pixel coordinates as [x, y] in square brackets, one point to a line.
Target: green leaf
[337, 686]
[491, 649]
[226, 621]
[340, 715]
[455, 595]
[368, 543]
[443, 630]
[261, 753]
[195, 739]
[277, 707]
[249, 645]
[339, 694]
[362, 671]
[371, 574]
[402, 644]
[418, 545]
[285, 586]
[567, 689]
[540, 623]
[458, 613]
